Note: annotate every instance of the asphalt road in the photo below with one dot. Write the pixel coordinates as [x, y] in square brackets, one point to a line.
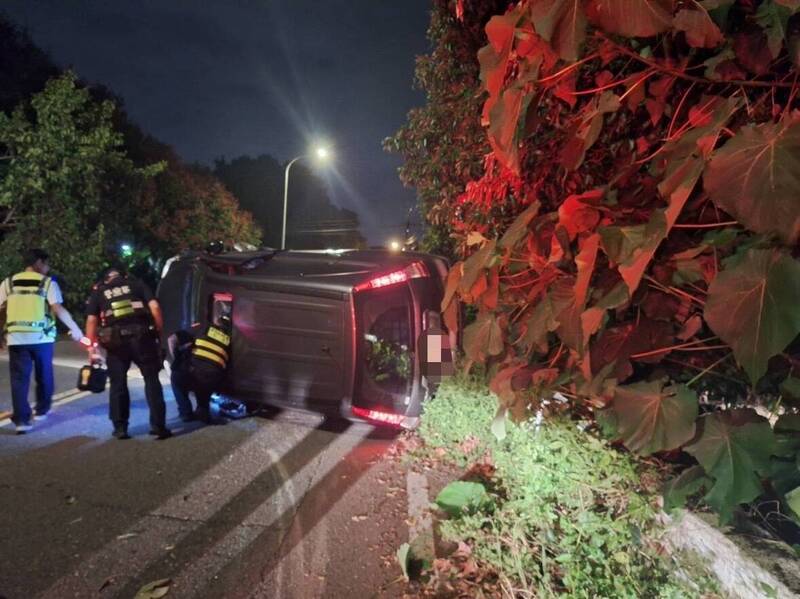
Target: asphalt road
[289, 504]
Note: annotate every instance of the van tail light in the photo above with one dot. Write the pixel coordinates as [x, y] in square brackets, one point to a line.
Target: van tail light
[376, 416]
[416, 270]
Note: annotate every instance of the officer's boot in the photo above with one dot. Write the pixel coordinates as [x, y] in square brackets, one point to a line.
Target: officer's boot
[121, 432]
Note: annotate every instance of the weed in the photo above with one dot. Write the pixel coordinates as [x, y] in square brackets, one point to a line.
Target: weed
[574, 519]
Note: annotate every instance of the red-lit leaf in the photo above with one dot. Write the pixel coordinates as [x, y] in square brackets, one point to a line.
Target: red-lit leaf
[474, 266]
[752, 51]
[483, 338]
[755, 177]
[540, 322]
[655, 108]
[615, 345]
[565, 89]
[519, 227]
[562, 23]
[453, 280]
[654, 417]
[490, 297]
[701, 31]
[577, 214]
[631, 18]
[587, 129]
[592, 318]
[503, 125]
[753, 307]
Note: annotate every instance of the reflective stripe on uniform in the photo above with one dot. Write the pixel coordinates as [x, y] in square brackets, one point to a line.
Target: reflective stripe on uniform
[212, 346]
[201, 353]
[123, 308]
[218, 335]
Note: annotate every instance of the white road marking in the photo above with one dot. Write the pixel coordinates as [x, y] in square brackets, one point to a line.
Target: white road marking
[67, 397]
[184, 512]
[266, 515]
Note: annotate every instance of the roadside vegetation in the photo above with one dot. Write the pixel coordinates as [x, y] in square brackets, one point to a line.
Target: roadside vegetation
[617, 185]
[546, 509]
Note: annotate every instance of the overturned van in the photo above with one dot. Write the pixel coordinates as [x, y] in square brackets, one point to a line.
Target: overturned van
[335, 331]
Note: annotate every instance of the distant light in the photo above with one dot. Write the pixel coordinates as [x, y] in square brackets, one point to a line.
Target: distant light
[126, 250]
[394, 245]
[322, 153]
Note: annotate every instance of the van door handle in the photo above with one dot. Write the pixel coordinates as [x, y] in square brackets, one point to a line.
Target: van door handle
[326, 349]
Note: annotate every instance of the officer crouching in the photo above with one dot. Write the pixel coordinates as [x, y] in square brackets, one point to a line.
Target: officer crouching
[130, 325]
[199, 365]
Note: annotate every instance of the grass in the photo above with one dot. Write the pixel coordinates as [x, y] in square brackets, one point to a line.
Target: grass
[570, 517]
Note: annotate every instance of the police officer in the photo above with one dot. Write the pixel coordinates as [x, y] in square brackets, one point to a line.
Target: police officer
[30, 299]
[204, 371]
[130, 325]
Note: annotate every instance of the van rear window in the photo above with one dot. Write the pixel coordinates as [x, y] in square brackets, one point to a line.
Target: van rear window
[386, 350]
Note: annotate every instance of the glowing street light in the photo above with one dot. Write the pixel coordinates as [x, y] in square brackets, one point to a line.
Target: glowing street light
[394, 245]
[321, 153]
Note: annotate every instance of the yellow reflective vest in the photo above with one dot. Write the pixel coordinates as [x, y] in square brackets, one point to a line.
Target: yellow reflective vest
[213, 346]
[27, 308]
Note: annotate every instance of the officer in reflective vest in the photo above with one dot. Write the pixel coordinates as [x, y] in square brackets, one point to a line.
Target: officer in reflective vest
[204, 371]
[29, 300]
[130, 324]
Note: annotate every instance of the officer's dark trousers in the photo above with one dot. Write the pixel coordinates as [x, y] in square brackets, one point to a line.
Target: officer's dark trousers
[143, 353]
[205, 380]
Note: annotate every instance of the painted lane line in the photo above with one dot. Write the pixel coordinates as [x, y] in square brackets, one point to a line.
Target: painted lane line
[6, 416]
[180, 515]
[202, 569]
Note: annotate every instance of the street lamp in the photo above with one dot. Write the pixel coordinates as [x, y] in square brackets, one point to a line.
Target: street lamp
[320, 153]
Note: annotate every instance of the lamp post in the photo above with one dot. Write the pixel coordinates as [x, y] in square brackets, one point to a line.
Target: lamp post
[321, 154]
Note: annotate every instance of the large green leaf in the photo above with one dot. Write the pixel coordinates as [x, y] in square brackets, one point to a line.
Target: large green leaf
[734, 448]
[483, 338]
[774, 18]
[653, 417]
[632, 18]
[753, 307]
[462, 496]
[755, 177]
[785, 474]
[680, 488]
[562, 23]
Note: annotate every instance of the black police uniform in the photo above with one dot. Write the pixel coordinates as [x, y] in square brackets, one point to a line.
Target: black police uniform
[127, 334]
[209, 360]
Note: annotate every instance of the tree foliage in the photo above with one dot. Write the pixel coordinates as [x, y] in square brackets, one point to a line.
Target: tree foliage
[636, 218]
[54, 179]
[78, 178]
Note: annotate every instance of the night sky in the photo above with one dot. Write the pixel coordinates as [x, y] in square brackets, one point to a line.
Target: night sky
[268, 76]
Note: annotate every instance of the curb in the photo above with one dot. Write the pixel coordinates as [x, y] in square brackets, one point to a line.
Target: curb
[739, 576]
